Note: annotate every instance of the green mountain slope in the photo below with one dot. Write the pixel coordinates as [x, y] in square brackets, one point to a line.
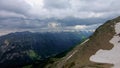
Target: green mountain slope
[24, 48]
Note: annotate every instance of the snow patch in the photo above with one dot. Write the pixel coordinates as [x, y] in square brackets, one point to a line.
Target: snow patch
[110, 56]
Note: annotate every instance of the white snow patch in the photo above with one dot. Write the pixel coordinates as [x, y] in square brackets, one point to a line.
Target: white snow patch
[110, 56]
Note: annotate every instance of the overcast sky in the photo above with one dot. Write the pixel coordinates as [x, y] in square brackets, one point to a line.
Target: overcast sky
[37, 15]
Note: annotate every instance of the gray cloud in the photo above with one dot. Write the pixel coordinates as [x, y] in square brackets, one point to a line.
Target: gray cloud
[62, 8]
[18, 6]
[78, 8]
[20, 15]
[56, 4]
[20, 23]
[5, 14]
[99, 5]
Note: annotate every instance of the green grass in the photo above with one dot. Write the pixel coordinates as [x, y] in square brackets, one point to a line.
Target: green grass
[33, 55]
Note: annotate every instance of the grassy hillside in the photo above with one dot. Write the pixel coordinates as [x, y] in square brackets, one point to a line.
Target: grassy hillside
[99, 40]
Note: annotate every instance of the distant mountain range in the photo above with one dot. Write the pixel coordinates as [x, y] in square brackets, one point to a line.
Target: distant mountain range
[22, 48]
